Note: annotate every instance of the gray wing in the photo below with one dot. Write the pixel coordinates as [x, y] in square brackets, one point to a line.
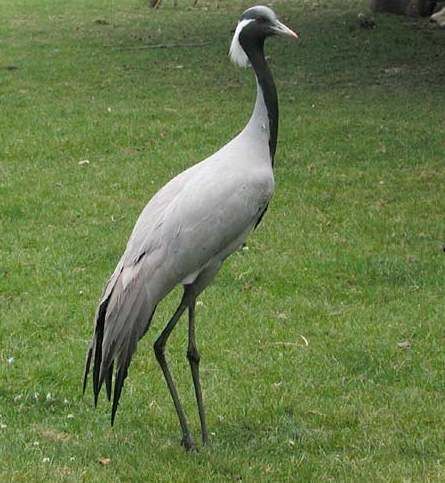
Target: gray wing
[199, 217]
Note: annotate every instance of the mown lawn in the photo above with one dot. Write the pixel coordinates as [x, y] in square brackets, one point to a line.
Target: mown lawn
[322, 344]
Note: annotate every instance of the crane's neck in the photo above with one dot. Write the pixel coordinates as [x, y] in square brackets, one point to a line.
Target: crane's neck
[266, 105]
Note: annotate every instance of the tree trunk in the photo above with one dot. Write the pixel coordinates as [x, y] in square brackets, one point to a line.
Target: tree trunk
[422, 8]
[425, 8]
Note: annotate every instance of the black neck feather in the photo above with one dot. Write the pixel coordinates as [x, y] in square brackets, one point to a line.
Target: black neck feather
[255, 52]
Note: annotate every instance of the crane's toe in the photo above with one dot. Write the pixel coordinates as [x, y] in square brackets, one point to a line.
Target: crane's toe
[188, 443]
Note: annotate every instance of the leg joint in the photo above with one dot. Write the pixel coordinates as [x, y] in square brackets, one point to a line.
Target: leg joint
[159, 349]
[193, 355]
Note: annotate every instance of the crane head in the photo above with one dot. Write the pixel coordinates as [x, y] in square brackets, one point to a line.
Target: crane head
[254, 26]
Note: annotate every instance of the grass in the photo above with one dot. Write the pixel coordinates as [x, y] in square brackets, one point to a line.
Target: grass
[349, 258]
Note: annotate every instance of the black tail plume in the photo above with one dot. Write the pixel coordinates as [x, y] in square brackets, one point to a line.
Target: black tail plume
[109, 381]
[97, 344]
[120, 377]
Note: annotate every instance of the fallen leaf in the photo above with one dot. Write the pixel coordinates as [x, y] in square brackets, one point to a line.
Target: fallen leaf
[84, 161]
[406, 344]
[393, 70]
[104, 461]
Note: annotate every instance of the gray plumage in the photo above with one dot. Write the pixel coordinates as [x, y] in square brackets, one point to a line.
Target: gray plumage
[182, 236]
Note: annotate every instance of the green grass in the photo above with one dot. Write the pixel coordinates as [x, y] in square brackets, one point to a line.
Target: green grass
[349, 256]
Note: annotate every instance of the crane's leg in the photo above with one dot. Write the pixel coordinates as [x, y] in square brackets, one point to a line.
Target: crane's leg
[194, 357]
[159, 348]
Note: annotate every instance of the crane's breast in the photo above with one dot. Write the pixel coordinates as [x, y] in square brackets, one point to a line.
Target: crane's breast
[211, 217]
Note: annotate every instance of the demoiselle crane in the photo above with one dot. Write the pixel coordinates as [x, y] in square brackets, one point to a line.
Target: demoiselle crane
[187, 230]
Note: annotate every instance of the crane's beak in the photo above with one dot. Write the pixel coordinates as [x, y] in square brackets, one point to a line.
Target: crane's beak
[281, 29]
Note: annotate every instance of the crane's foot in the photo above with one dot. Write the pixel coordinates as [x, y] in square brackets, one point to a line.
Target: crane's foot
[205, 439]
[188, 443]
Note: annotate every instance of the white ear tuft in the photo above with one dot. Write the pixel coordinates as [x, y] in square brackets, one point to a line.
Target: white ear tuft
[236, 52]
